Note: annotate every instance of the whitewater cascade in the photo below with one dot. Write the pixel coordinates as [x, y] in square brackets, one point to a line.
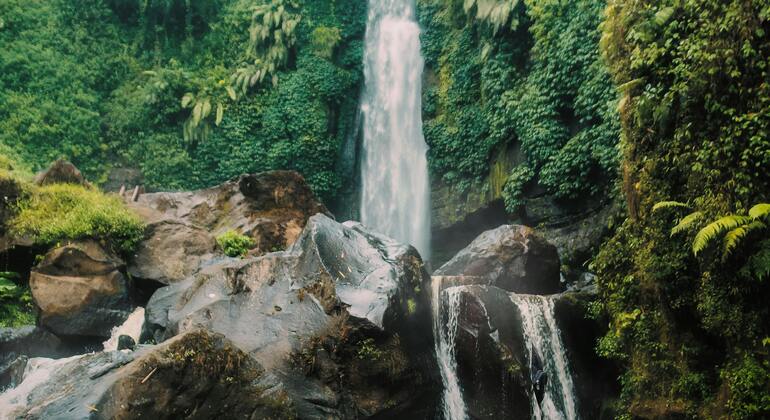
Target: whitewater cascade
[541, 334]
[132, 327]
[447, 301]
[395, 195]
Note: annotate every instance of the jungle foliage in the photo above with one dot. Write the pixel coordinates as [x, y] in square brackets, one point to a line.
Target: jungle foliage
[523, 74]
[192, 92]
[684, 280]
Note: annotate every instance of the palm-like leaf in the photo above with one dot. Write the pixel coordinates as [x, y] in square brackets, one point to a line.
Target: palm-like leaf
[716, 229]
[668, 205]
[734, 237]
[686, 222]
[760, 211]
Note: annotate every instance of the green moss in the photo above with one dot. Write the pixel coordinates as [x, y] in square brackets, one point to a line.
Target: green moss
[234, 244]
[55, 213]
[411, 306]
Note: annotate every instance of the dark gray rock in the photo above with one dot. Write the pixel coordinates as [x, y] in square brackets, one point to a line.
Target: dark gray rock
[578, 240]
[126, 342]
[31, 341]
[340, 318]
[196, 375]
[511, 257]
[81, 290]
[490, 352]
[12, 371]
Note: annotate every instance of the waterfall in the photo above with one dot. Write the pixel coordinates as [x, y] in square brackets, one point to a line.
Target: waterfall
[132, 327]
[541, 335]
[453, 406]
[395, 195]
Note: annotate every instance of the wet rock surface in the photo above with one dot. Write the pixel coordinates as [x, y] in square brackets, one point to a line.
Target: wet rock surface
[492, 366]
[270, 207]
[81, 290]
[512, 257]
[195, 375]
[340, 318]
[493, 362]
[17, 345]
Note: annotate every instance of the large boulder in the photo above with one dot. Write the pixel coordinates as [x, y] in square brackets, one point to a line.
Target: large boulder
[172, 251]
[489, 349]
[196, 375]
[61, 172]
[270, 207]
[81, 290]
[512, 257]
[340, 317]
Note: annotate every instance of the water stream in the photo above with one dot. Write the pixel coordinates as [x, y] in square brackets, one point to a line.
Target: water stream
[447, 301]
[395, 196]
[541, 335]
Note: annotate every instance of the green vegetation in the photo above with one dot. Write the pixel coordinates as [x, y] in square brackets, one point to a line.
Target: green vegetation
[667, 101]
[691, 330]
[520, 74]
[16, 308]
[234, 244]
[176, 89]
[56, 213]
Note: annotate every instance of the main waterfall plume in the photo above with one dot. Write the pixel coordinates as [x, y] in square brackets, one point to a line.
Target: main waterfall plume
[395, 194]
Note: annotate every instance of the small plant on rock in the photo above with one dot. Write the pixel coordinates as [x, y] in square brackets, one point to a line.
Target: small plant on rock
[234, 244]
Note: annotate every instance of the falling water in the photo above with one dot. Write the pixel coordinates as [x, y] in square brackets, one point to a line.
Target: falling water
[453, 406]
[394, 171]
[542, 335]
[132, 327]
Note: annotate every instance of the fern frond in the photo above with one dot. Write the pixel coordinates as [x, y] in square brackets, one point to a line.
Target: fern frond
[758, 265]
[669, 204]
[760, 211]
[686, 222]
[734, 237]
[715, 229]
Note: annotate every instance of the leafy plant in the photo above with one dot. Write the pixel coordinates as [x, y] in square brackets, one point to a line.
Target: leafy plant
[271, 36]
[731, 229]
[497, 13]
[234, 244]
[16, 308]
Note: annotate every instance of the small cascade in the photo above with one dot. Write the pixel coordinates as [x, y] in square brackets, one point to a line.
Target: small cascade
[132, 328]
[36, 373]
[541, 335]
[447, 301]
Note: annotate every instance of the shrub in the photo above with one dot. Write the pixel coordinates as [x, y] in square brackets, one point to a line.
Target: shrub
[16, 307]
[61, 212]
[234, 244]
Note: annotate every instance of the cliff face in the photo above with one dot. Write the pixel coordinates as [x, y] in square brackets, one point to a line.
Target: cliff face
[519, 114]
